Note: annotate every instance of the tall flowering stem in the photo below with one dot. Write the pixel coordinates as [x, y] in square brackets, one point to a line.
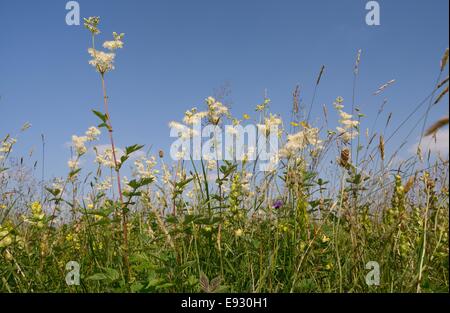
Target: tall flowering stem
[119, 186]
[103, 62]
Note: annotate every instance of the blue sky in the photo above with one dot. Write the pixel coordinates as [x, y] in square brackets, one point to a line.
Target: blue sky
[178, 52]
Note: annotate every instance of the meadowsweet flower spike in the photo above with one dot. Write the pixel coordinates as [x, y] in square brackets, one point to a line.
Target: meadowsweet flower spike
[117, 43]
[91, 23]
[102, 61]
[348, 129]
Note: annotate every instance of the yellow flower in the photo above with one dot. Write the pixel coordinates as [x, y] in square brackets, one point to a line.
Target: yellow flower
[325, 238]
[69, 237]
[90, 206]
[5, 236]
[294, 124]
[208, 228]
[2, 206]
[329, 266]
[36, 208]
[98, 217]
[238, 232]
[246, 117]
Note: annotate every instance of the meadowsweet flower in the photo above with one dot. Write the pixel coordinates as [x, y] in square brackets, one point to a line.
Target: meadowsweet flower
[107, 158]
[179, 155]
[117, 43]
[144, 168]
[192, 117]
[73, 164]
[104, 185]
[125, 183]
[245, 183]
[7, 145]
[93, 133]
[215, 110]
[300, 140]
[102, 61]
[348, 129]
[211, 164]
[349, 123]
[78, 143]
[58, 184]
[231, 130]
[270, 123]
[91, 23]
[166, 175]
[249, 154]
[183, 131]
[345, 116]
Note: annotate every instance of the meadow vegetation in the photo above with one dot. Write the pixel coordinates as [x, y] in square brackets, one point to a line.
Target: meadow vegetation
[338, 199]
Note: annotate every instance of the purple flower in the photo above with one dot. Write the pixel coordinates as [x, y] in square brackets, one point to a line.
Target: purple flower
[278, 204]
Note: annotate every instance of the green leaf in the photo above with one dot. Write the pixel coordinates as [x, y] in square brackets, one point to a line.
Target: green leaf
[112, 274]
[73, 173]
[54, 192]
[98, 276]
[101, 116]
[133, 148]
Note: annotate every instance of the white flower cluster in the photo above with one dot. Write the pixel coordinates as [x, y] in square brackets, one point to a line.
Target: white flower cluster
[348, 129]
[300, 140]
[104, 185]
[270, 122]
[102, 61]
[106, 158]
[211, 162]
[93, 133]
[144, 168]
[73, 164]
[215, 110]
[184, 132]
[192, 117]
[7, 145]
[79, 142]
[117, 43]
[91, 23]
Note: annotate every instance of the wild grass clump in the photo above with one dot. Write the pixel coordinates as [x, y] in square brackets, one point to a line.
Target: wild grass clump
[337, 202]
